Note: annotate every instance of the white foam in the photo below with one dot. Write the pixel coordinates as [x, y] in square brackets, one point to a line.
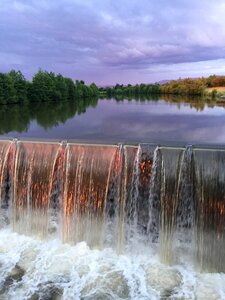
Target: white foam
[83, 273]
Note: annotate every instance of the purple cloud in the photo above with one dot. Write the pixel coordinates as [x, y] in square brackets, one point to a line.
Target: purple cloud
[113, 41]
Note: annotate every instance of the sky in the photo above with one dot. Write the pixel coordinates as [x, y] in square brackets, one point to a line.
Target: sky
[113, 41]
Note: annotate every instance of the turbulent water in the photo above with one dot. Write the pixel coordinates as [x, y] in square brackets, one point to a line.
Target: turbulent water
[111, 222]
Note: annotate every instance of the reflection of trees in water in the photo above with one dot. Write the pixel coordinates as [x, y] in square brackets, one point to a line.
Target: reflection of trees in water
[198, 103]
[16, 117]
[139, 98]
[47, 114]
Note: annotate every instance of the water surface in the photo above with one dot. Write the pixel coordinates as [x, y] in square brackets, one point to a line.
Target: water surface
[111, 121]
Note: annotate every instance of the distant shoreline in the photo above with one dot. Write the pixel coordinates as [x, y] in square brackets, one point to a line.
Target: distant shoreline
[48, 86]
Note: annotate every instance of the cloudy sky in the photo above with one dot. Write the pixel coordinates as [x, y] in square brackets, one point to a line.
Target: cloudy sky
[110, 41]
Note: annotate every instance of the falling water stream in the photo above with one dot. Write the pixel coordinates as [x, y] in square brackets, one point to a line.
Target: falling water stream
[111, 222]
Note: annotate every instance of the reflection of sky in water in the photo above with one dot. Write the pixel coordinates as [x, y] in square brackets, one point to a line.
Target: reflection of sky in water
[135, 122]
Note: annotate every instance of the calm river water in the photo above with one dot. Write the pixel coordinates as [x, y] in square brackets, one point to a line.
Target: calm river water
[111, 121]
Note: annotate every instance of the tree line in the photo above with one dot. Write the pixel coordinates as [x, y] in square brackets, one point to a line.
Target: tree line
[120, 90]
[48, 86]
[44, 86]
[187, 86]
[190, 86]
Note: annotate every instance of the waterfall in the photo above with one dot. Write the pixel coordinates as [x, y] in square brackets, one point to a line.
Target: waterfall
[118, 196]
[209, 186]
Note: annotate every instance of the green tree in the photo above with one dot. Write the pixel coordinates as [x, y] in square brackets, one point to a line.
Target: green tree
[20, 85]
[42, 87]
[71, 94]
[7, 91]
[94, 89]
[61, 88]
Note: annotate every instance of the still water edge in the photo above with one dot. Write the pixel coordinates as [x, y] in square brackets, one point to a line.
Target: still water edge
[111, 121]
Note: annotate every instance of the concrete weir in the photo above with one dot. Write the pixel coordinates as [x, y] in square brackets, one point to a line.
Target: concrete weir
[171, 197]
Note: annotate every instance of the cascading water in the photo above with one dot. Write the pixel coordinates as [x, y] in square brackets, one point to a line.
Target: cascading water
[210, 209]
[111, 222]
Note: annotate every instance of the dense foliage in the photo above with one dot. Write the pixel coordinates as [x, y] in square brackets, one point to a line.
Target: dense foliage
[45, 86]
[187, 86]
[215, 81]
[132, 91]
[190, 86]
